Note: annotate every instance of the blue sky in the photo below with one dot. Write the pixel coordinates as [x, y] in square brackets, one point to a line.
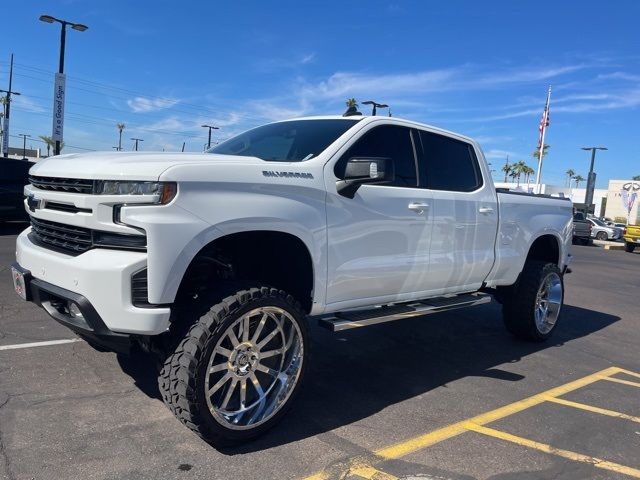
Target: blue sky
[478, 68]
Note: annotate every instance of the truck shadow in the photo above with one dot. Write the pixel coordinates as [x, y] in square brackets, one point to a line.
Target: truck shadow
[12, 227]
[357, 373]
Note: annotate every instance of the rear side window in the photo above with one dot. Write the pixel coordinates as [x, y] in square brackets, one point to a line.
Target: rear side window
[391, 141]
[450, 164]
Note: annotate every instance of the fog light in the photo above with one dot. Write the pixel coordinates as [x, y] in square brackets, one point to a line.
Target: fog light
[74, 310]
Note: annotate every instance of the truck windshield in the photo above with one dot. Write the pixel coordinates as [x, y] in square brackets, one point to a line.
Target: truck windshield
[290, 141]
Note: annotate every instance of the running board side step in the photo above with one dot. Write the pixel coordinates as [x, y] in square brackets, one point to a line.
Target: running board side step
[362, 318]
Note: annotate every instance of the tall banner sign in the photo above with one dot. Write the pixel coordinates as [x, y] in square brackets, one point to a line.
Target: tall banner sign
[5, 138]
[58, 107]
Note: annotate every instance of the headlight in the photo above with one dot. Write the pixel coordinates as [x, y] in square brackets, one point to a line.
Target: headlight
[165, 191]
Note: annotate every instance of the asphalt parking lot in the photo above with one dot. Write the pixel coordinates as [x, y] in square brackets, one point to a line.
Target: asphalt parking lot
[449, 396]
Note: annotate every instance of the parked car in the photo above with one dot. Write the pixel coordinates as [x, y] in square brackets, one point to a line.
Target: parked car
[216, 262]
[581, 229]
[14, 175]
[601, 231]
[631, 237]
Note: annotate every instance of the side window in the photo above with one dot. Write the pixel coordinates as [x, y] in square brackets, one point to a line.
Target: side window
[450, 164]
[390, 141]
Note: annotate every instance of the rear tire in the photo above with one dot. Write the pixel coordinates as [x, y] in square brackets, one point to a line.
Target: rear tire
[532, 308]
[239, 366]
[629, 247]
[602, 236]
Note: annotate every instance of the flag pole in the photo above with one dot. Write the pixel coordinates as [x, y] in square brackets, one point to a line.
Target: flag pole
[543, 126]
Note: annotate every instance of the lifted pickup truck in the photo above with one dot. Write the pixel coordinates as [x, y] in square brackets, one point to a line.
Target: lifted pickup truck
[217, 261]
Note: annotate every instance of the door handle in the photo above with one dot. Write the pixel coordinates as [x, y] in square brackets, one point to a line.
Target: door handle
[485, 210]
[418, 207]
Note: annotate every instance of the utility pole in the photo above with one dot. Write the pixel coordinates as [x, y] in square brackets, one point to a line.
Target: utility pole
[210, 127]
[591, 178]
[24, 145]
[137, 140]
[7, 109]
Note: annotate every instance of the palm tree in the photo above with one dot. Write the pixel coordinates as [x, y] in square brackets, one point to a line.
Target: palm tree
[506, 168]
[120, 127]
[636, 178]
[50, 143]
[545, 149]
[570, 174]
[519, 169]
[528, 171]
[578, 179]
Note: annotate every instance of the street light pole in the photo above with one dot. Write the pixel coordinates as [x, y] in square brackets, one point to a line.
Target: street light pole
[210, 127]
[591, 178]
[137, 140]
[376, 105]
[59, 89]
[24, 145]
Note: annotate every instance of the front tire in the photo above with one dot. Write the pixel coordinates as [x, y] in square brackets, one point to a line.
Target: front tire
[239, 367]
[533, 306]
[602, 236]
[629, 247]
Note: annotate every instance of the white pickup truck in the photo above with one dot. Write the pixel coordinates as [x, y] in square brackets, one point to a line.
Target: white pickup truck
[217, 261]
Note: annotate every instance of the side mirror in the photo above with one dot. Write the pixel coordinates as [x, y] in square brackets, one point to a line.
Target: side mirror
[362, 171]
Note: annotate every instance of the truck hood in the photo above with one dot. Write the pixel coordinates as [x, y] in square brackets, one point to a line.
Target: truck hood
[126, 165]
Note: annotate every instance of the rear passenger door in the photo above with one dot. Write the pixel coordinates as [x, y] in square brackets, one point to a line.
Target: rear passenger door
[465, 213]
[378, 241]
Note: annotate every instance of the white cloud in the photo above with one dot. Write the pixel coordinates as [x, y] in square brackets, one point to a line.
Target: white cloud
[308, 58]
[143, 104]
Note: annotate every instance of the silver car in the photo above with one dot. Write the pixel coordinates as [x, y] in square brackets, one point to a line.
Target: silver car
[601, 231]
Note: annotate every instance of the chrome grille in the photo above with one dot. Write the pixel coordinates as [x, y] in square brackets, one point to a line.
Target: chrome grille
[65, 237]
[72, 185]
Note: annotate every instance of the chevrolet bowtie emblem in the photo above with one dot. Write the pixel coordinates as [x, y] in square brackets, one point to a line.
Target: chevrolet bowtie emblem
[33, 203]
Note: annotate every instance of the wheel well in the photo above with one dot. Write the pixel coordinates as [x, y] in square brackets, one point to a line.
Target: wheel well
[276, 259]
[545, 248]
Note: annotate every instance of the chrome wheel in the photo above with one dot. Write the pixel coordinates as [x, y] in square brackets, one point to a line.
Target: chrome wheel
[254, 368]
[548, 303]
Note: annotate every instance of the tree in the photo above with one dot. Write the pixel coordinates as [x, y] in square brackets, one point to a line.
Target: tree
[636, 178]
[545, 150]
[50, 143]
[578, 179]
[506, 168]
[519, 169]
[352, 102]
[570, 174]
[528, 171]
[120, 127]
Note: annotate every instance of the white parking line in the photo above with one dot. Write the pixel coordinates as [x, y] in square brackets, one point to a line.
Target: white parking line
[39, 344]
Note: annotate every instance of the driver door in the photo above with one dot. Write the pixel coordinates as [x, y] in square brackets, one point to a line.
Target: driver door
[378, 241]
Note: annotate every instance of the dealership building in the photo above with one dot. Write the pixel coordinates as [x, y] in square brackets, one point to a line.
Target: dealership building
[607, 202]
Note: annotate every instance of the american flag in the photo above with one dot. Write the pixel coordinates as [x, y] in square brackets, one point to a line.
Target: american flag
[544, 121]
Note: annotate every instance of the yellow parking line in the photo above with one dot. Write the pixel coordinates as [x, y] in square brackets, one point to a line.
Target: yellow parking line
[620, 380]
[629, 372]
[370, 473]
[591, 408]
[437, 436]
[422, 441]
[577, 457]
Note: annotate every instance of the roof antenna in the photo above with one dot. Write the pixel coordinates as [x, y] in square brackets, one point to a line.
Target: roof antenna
[352, 108]
[376, 105]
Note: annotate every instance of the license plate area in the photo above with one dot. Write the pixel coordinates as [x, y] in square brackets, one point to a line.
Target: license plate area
[21, 279]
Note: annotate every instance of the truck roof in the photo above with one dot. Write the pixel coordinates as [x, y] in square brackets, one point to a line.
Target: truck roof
[369, 119]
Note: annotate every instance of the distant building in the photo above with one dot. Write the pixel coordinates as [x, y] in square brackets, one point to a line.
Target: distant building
[577, 195]
[615, 206]
[30, 153]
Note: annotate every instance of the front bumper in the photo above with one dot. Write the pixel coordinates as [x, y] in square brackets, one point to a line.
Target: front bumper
[101, 277]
